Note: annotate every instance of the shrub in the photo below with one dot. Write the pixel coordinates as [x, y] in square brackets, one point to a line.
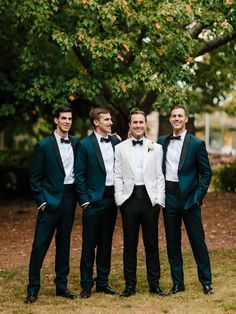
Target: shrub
[224, 178]
[14, 173]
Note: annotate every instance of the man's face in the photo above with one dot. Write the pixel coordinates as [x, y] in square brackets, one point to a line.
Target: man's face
[104, 124]
[137, 125]
[178, 119]
[63, 123]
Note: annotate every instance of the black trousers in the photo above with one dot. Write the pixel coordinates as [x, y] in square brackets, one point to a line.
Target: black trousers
[174, 215]
[98, 226]
[48, 221]
[138, 211]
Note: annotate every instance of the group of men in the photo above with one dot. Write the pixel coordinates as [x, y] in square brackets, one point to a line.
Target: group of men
[137, 175]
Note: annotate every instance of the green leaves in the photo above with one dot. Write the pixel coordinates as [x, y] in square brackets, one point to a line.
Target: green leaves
[117, 50]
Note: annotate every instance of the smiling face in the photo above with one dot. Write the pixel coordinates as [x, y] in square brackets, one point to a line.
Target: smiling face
[178, 119]
[63, 123]
[103, 124]
[137, 125]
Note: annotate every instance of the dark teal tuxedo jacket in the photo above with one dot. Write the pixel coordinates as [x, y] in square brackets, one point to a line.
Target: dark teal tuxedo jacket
[194, 170]
[90, 171]
[47, 174]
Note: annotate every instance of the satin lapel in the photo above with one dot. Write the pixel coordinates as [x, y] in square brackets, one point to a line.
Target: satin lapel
[129, 154]
[97, 151]
[145, 153]
[57, 152]
[184, 150]
[112, 142]
[164, 147]
[73, 143]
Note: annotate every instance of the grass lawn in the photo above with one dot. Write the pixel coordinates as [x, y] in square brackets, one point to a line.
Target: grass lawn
[13, 290]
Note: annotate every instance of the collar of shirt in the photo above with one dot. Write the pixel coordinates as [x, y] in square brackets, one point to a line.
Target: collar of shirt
[135, 139]
[58, 137]
[98, 136]
[182, 136]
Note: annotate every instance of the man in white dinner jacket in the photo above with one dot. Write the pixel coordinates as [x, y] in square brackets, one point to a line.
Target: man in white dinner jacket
[140, 193]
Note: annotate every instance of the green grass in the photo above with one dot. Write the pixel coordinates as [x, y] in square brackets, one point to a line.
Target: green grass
[13, 290]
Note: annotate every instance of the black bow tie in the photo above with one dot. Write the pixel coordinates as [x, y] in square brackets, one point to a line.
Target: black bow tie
[63, 140]
[105, 139]
[137, 142]
[172, 137]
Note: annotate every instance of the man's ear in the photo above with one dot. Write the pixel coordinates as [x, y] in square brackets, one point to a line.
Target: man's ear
[56, 121]
[95, 122]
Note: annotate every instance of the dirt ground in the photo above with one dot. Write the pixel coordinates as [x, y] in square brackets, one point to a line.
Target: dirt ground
[18, 222]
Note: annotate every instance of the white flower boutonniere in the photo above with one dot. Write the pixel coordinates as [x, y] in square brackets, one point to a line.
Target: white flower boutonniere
[151, 146]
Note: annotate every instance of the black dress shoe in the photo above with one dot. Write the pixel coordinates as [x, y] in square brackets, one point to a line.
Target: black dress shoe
[128, 292]
[86, 292]
[31, 298]
[65, 294]
[207, 289]
[177, 288]
[157, 290]
[106, 290]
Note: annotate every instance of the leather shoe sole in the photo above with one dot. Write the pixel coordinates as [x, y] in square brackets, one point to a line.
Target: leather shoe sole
[208, 289]
[106, 290]
[158, 291]
[86, 293]
[66, 294]
[177, 288]
[31, 299]
[127, 293]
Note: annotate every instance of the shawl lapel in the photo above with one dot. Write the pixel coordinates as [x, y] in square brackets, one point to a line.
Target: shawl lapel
[57, 152]
[97, 151]
[129, 154]
[73, 143]
[184, 150]
[112, 142]
[164, 147]
[145, 153]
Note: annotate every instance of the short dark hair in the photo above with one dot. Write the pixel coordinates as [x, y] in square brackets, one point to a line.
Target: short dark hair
[137, 111]
[94, 113]
[60, 110]
[176, 106]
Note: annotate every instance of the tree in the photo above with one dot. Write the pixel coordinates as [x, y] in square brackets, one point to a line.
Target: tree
[121, 53]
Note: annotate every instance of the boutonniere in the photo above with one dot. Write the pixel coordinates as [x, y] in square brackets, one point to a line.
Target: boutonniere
[151, 146]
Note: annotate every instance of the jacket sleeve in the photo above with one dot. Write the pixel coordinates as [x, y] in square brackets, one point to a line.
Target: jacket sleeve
[80, 174]
[204, 170]
[118, 176]
[160, 177]
[36, 177]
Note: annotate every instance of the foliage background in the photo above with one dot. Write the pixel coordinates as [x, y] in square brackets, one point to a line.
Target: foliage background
[120, 53]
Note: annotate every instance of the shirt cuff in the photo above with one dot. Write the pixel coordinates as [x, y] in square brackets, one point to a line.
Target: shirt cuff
[42, 205]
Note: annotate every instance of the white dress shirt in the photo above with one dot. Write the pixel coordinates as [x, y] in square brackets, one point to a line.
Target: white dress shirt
[173, 157]
[138, 151]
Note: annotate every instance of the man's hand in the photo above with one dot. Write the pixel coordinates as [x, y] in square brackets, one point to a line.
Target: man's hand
[117, 135]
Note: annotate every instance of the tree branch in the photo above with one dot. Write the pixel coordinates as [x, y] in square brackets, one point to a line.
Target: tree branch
[195, 30]
[215, 43]
[86, 64]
